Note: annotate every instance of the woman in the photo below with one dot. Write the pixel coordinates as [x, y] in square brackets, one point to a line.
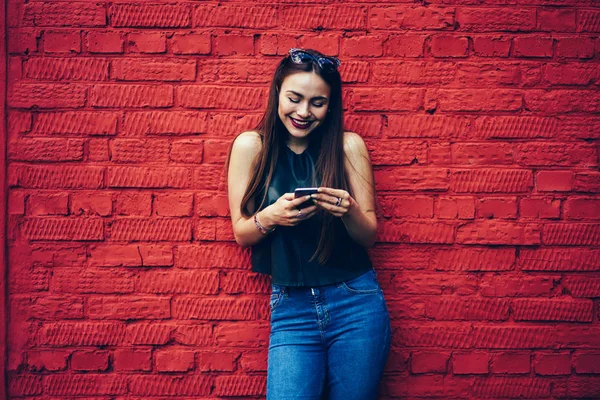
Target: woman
[330, 330]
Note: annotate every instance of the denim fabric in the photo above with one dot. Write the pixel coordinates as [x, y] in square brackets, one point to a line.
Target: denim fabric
[328, 342]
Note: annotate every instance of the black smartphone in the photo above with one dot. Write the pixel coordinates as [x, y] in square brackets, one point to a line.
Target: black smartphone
[301, 192]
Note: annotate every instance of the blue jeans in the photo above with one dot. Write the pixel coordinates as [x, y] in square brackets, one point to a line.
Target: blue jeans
[328, 342]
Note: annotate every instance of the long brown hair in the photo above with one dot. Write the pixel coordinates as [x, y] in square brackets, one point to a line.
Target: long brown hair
[330, 163]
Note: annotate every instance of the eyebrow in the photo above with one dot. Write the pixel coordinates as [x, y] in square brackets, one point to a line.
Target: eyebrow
[314, 98]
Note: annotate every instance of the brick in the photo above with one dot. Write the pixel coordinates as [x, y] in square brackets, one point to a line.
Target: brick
[18, 122]
[216, 151]
[571, 234]
[151, 15]
[582, 286]
[482, 153]
[231, 125]
[174, 360]
[411, 18]
[42, 149]
[545, 155]
[455, 207]
[130, 255]
[173, 204]
[105, 42]
[497, 208]
[582, 208]
[449, 46]
[475, 100]
[25, 385]
[496, 19]
[240, 385]
[92, 281]
[47, 360]
[230, 44]
[16, 203]
[546, 208]
[22, 42]
[210, 205]
[571, 74]
[368, 126]
[240, 98]
[416, 72]
[217, 361]
[451, 308]
[255, 361]
[146, 42]
[586, 363]
[165, 385]
[206, 229]
[165, 123]
[75, 123]
[433, 284]
[242, 71]
[557, 101]
[415, 232]
[90, 360]
[552, 310]
[62, 42]
[68, 14]
[132, 359]
[552, 363]
[574, 47]
[587, 182]
[86, 384]
[497, 74]
[362, 46]
[398, 153]
[588, 21]
[511, 363]
[426, 126]
[62, 229]
[556, 20]
[429, 361]
[517, 285]
[405, 45]
[516, 127]
[491, 46]
[497, 232]
[235, 16]
[150, 333]
[385, 99]
[323, 17]
[390, 178]
[87, 333]
[91, 204]
[163, 229]
[560, 259]
[512, 387]
[405, 206]
[190, 282]
[191, 43]
[154, 70]
[194, 308]
[139, 150]
[193, 335]
[129, 307]
[210, 177]
[148, 177]
[467, 259]
[26, 95]
[133, 204]
[49, 307]
[354, 72]
[131, 96]
[489, 180]
[470, 363]
[187, 151]
[72, 69]
[554, 181]
[388, 256]
[48, 204]
[583, 387]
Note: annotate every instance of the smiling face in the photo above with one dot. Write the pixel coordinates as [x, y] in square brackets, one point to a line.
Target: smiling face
[303, 104]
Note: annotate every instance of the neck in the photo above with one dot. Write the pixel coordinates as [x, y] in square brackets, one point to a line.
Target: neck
[297, 145]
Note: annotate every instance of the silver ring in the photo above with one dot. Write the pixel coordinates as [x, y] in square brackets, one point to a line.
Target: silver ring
[299, 214]
[338, 202]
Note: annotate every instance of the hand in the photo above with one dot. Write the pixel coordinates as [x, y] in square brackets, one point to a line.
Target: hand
[335, 201]
[284, 212]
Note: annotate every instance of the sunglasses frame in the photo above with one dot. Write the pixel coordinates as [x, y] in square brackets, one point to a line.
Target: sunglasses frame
[335, 62]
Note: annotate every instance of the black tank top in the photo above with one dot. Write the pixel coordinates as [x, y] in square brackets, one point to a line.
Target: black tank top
[285, 253]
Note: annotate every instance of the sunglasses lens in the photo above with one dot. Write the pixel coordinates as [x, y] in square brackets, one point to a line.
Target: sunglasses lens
[300, 57]
[326, 64]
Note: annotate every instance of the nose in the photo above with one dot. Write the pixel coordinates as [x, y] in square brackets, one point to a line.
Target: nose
[303, 111]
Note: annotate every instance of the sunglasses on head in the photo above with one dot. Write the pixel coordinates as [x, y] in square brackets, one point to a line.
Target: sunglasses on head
[327, 64]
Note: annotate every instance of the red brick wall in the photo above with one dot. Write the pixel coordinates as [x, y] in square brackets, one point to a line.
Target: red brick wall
[483, 124]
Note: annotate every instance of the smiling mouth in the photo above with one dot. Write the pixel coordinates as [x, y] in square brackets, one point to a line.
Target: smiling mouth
[300, 124]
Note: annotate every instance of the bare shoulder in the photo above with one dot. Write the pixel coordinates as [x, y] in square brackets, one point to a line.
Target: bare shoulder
[248, 142]
[354, 145]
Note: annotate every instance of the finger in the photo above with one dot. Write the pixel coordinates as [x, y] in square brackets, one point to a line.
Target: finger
[296, 202]
[331, 191]
[329, 207]
[327, 198]
[288, 196]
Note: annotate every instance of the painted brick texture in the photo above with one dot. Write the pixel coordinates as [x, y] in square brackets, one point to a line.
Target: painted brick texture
[483, 123]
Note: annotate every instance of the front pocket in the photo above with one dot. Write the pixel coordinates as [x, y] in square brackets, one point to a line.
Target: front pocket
[364, 284]
[275, 300]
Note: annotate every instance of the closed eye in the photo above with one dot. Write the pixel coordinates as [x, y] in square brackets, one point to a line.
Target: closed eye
[294, 101]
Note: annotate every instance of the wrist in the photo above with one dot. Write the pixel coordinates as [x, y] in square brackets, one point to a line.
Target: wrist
[265, 219]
